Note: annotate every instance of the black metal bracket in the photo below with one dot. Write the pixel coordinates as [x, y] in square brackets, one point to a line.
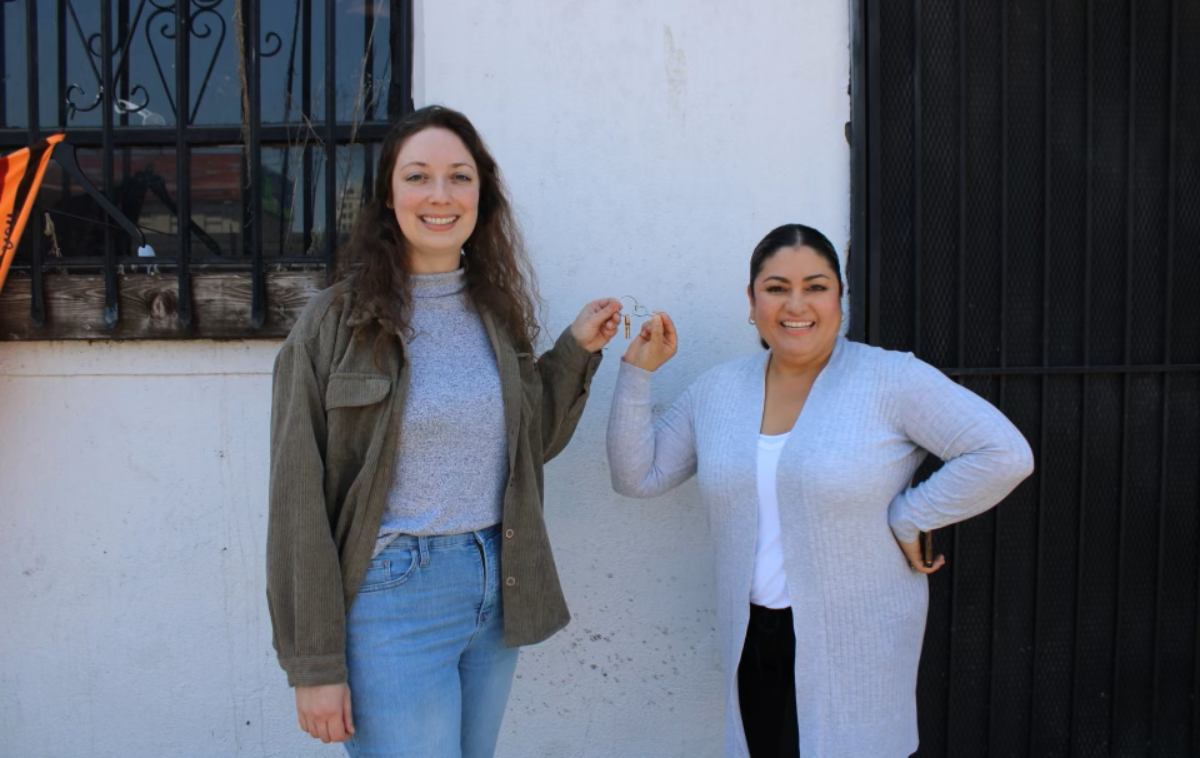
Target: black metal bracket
[64, 153]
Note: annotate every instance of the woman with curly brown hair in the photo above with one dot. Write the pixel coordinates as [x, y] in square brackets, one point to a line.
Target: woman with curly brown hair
[407, 554]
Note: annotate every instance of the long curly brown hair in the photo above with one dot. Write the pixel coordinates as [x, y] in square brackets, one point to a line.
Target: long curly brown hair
[376, 260]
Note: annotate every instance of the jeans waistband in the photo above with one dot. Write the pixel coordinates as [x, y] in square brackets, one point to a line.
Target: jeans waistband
[441, 541]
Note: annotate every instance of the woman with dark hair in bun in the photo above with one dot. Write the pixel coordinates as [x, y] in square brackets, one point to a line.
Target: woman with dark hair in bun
[805, 455]
[407, 554]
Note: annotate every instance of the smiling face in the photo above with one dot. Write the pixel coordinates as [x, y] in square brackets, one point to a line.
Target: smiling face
[795, 302]
[435, 195]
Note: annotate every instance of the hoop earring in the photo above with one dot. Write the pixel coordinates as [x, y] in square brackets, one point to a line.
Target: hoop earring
[750, 321]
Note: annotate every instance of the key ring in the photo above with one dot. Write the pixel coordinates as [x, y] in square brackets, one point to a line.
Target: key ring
[638, 310]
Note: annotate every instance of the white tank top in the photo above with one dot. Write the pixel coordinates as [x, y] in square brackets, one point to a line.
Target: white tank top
[769, 588]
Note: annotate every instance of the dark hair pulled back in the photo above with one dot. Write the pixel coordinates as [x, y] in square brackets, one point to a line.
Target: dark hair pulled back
[790, 236]
[794, 235]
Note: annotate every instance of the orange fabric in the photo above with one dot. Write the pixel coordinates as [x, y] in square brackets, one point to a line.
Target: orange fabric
[22, 173]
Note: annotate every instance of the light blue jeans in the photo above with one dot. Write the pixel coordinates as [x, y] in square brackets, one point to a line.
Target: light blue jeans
[429, 673]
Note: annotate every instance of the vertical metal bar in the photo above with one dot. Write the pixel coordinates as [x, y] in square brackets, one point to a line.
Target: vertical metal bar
[1162, 540]
[918, 154]
[1122, 515]
[956, 547]
[1087, 346]
[368, 74]
[183, 157]
[285, 220]
[1172, 104]
[31, 62]
[61, 30]
[122, 76]
[400, 101]
[331, 204]
[258, 274]
[1047, 162]
[962, 180]
[1172, 179]
[368, 77]
[856, 266]
[4, 68]
[306, 47]
[106, 114]
[1130, 184]
[874, 139]
[37, 301]
[1047, 183]
[997, 548]
[123, 32]
[1003, 187]
[956, 532]
[1089, 190]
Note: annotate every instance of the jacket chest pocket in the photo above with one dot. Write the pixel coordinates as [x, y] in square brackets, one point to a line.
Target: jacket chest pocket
[354, 406]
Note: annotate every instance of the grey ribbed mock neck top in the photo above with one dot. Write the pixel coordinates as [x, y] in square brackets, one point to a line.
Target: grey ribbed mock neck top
[452, 462]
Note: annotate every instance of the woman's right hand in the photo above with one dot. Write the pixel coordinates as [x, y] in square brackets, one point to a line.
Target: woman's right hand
[916, 561]
[324, 711]
[655, 343]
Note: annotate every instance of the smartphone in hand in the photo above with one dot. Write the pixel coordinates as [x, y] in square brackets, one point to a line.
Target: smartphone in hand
[927, 549]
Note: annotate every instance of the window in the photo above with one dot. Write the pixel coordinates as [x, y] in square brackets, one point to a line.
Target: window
[240, 136]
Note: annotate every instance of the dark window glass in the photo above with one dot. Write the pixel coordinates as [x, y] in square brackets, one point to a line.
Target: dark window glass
[290, 192]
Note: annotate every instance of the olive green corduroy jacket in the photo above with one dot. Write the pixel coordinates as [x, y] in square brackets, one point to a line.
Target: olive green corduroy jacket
[335, 424]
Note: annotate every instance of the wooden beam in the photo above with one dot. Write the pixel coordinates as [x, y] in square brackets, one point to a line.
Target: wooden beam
[75, 307]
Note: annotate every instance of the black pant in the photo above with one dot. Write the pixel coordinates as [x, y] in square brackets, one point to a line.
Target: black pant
[767, 684]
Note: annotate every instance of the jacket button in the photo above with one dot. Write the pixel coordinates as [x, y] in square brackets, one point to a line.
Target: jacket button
[509, 533]
[511, 581]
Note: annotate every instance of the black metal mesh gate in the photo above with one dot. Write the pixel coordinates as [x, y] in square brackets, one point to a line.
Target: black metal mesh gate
[1027, 217]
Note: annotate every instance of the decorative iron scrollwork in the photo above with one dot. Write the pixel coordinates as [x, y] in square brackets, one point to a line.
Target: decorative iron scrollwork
[198, 25]
[204, 21]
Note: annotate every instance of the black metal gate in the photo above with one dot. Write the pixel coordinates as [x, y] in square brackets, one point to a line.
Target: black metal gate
[1026, 216]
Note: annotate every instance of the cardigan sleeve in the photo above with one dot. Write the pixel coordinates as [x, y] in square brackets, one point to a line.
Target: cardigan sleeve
[304, 578]
[646, 457]
[985, 456]
[566, 372]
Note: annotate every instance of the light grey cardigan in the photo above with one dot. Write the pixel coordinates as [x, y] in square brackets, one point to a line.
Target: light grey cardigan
[843, 487]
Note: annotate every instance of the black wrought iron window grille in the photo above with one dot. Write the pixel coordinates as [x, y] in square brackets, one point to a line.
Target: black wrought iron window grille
[239, 136]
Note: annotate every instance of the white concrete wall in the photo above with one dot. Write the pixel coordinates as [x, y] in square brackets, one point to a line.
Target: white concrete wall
[648, 145]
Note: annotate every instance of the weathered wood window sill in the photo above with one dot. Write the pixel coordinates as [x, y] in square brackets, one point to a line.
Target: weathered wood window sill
[221, 307]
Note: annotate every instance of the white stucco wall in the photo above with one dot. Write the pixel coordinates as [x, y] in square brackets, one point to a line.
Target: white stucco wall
[648, 145]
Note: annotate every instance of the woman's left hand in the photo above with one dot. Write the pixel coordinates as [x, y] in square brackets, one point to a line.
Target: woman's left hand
[597, 323]
[912, 552]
